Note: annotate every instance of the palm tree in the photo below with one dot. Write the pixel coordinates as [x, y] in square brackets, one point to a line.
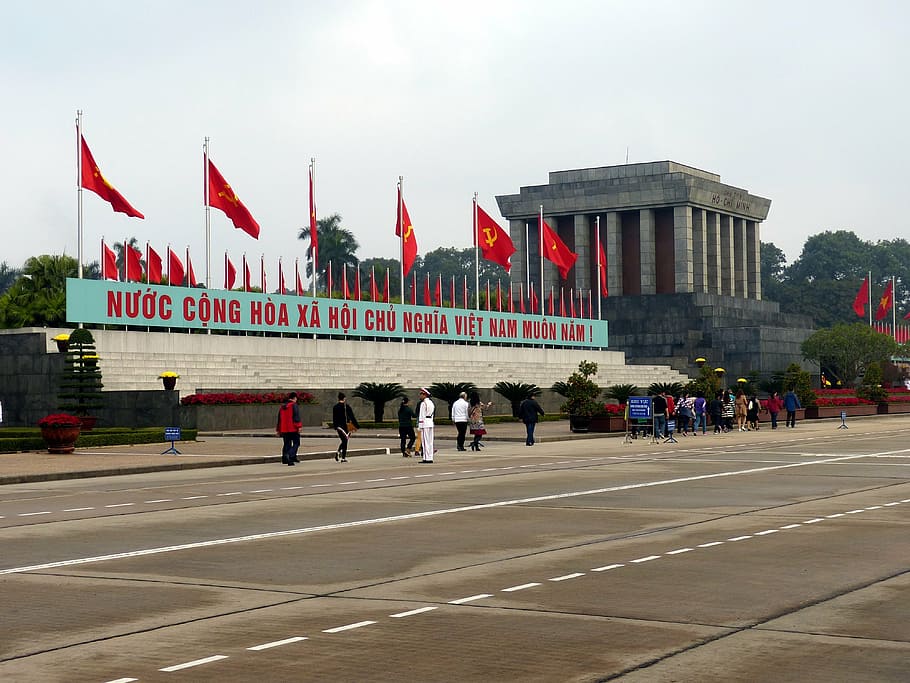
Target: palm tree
[337, 245]
[516, 392]
[621, 392]
[449, 391]
[38, 297]
[8, 275]
[378, 394]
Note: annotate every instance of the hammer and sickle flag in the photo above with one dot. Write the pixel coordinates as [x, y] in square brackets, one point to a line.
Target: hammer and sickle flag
[405, 231]
[97, 183]
[494, 242]
[222, 196]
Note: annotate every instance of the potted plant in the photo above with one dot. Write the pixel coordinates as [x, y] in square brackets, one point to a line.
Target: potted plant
[63, 342]
[60, 432]
[169, 379]
[80, 380]
[581, 397]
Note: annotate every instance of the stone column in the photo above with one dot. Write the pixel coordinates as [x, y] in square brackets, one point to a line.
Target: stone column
[753, 259]
[726, 255]
[648, 251]
[584, 249]
[699, 251]
[682, 245]
[712, 236]
[613, 247]
[740, 282]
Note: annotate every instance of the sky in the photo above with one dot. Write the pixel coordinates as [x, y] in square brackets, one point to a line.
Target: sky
[805, 103]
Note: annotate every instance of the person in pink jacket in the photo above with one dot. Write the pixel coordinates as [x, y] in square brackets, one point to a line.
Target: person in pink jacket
[774, 405]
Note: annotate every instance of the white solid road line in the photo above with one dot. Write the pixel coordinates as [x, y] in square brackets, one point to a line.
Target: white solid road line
[276, 643]
[426, 514]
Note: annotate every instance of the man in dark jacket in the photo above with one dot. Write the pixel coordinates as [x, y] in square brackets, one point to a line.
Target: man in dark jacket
[528, 412]
[288, 428]
[406, 433]
[659, 402]
[344, 422]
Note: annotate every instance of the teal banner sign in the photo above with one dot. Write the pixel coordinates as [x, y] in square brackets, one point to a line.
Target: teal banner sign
[106, 302]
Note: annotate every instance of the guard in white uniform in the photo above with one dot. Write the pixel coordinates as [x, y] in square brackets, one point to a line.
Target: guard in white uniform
[425, 424]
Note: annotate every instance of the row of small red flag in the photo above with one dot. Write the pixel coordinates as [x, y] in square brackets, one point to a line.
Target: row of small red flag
[176, 273]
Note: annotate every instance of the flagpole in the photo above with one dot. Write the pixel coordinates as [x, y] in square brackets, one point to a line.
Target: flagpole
[527, 258]
[893, 312]
[79, 188]
[476, 257]
[313, 251]
[540, 249]
[599, 266]
[401, 229]
[208, 222]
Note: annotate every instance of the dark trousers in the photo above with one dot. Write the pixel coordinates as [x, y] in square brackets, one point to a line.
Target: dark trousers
[406, 434]
[343, 438]
[290, 447]
[791, 418]
[462, 428]
[530, 427]
[773, 420]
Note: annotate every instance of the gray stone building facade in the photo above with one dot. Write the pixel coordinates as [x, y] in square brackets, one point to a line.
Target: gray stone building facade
[683, 262]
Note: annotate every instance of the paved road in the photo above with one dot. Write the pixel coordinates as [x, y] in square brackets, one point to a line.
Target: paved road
[769, 556]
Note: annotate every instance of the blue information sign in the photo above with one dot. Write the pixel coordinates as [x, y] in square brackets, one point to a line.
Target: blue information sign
[172, 433]
[639, 407]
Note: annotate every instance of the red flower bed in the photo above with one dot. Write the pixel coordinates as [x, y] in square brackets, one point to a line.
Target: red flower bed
[842, 401]
[835, 392]
[303, 397]
[59, 420]
[614, 410]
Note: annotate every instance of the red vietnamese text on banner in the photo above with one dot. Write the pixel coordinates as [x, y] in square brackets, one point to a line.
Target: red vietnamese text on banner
[133, 263]
[222, 196]
[405, 230]
[230, 273]
[97, 183]
[862, 298]
[175, 273]
[109, 269]
[191, 280]
[494, 242]
[602, 269]
[555, 250]
[153, 265]
[314, 231]
[884, 304]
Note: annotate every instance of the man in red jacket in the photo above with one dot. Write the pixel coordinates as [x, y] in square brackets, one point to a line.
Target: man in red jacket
[288, 428]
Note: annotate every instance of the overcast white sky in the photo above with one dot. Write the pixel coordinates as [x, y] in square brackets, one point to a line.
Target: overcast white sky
[805, 103]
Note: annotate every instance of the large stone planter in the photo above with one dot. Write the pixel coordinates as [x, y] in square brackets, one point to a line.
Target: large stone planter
[579, 423]
[818, 412]
[607, 423]
[893, 408]
[60, 440]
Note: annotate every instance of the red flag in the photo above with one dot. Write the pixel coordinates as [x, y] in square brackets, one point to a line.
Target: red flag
[230, 273]
[153, 265]
[494, 242]
[521, 297]
[109, 269]
[133, 263]
[862, 298]
[535, 302]
[408, 239]
[562, 303]
[222, 196]
[247, 286]
[437, 295]
[262, 285]
[191, 280]
[345, 292]
[386, 292]
[97, 183]
[602, 269]
[427, 298]
[555, 250]
[281, 287]
[174, 268]
[374, 290]
[571, 304]
[551, 301]
[358, 294]
[314, 232]
[298, 283]
[884, 304]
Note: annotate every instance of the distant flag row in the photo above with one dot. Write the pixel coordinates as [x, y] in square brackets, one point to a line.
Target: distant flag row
[154, 271]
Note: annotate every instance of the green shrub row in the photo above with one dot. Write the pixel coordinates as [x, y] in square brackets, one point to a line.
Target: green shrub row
[24, 439]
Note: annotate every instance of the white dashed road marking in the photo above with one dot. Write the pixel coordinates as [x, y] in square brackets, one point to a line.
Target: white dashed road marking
[195, 662]
[461, 601]
[339, 629]
[412, 612]
[276, 643]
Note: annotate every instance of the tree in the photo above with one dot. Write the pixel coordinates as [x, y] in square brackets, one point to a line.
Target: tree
[773, 262]
[378, 394]
[380, 266]
[450, 391]
[621, 392]
[8, 275]
[848, 349]
[830, 255]
[337, 245]
[38, 297]
[516, 392]
[582, 392]
[80, 381]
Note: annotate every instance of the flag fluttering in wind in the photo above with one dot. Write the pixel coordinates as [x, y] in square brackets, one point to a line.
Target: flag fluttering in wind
[109, 269]
[533, 300]
[555, 250]
[374, 290]
[862, 298]
[314, 232]
[191, 280]
[405, 231]
[299, 290]
[884, 304]
[175, 273]
[133, 263]
[247, 286]
[437, 294]
[97, 183]
[230, 273]
[222, 196]
[602, 269]
[494, 242]
[281, 286]
[345, 292]
[427, 297]
[153, 265]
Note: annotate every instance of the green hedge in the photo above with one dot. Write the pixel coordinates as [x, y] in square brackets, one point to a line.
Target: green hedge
[13, 440]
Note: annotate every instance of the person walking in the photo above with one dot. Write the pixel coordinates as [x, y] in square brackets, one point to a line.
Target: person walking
[406, 433]
[741, 409]
[345, 423]
[659, 403]
[288, 428]
[460, 410]
[729, 410]
[792, 404]
[774, 405]
[685, 414]
[425, 413]
[752, 411]
[700, 406]
[475, 420]
[716, 408]
[528, 412]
